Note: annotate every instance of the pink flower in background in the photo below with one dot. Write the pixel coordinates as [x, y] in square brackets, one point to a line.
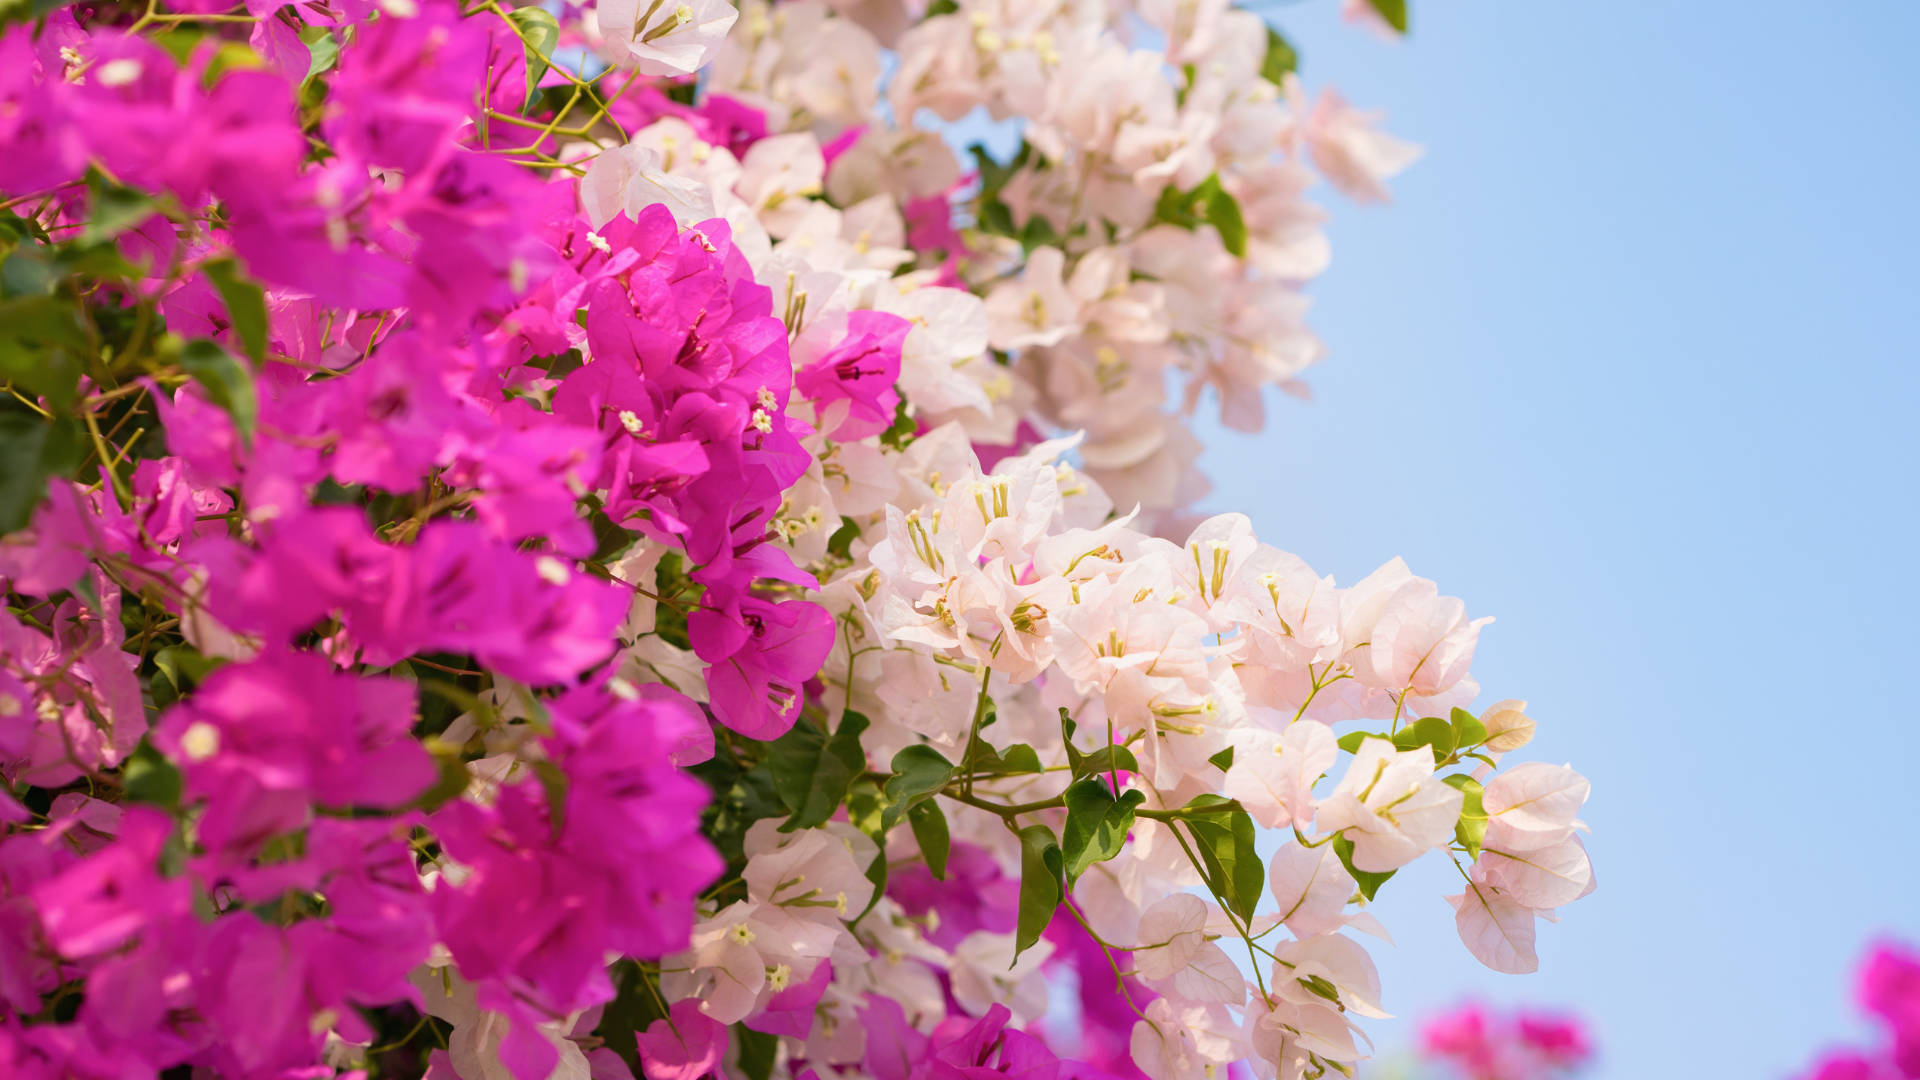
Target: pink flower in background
[1887, 986]
[1478, 1043]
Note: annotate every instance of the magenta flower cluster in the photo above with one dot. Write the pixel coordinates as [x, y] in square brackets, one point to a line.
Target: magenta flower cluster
[1478, 1043]
[231, 880]
[1887, 987]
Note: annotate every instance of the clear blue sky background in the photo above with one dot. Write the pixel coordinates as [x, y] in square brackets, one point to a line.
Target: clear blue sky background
[1631, 365]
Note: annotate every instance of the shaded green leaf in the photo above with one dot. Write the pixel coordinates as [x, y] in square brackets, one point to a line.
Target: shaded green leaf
[32, 451]
[555, 784]
[451, 774]
[1107, 759]
[610, 540]
[228, 382]
[246, 306]
[184, 666]
[1367, 881]
[1232, 865]
[740, 798]
[1015, 760]
[1040, 886]
[112, 209]
[13, 11]
[634, 1006]
[1097, 824]
[866, 809]
[43, 347]
[757, 1048]
[918, 771]
[813, 770]
[148, 777]
[930, 832]
[899, 434]
[840, 544]
[1222, 760]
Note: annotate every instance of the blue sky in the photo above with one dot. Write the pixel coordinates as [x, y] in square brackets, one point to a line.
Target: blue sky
[1631, 365]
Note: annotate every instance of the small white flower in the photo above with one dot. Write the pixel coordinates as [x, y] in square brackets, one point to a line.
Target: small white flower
[200, 741]
[118, 72]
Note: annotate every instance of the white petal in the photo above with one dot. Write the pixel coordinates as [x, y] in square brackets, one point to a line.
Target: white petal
[1545, 878]
[1497, 931]
[1311, 886]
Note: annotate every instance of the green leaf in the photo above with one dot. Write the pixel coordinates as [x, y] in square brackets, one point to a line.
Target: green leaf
[246, 306]
[840, 544]
[539, 33]
[43, 346]
[930, 832]
[1428, 731]
[322, 48]
[757, 1048]
[1467, 730]
[13, 11]
[1368, 882]
[179, 41]
[1208, 203]
[1222, 760]
[112, 209]
[1105, 760]
[184, 666]
[148, 777]
[1393, 11]
[866, 809]
[32, 451]
[1350, 742]
[1097, 824]
[452, 777]
[1226, 842]
[555, 784]
[741, 797]
[1015, 760]
[918, 771]
[230, 56]
[941, 7]
[28, 271]
[634, 1006]
[228, 382]
[813, 770]
[1222, 211]
[899, 434]
[610, 539]
[1471, 830]
[1040, 890]
[1281, 59]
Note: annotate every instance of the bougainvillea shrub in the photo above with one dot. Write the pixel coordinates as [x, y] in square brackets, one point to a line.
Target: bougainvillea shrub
[588, 541]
